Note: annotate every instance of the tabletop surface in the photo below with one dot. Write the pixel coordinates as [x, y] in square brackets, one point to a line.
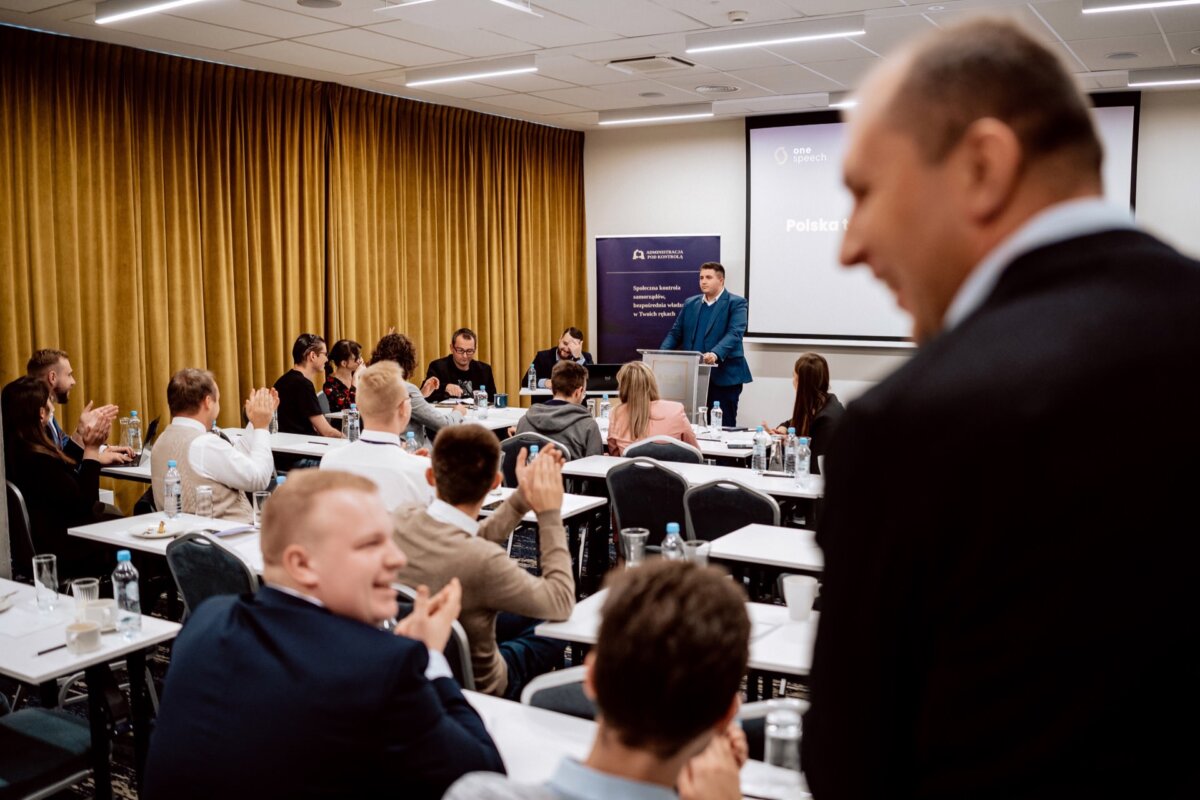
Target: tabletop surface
[696, 474]
[772, 545]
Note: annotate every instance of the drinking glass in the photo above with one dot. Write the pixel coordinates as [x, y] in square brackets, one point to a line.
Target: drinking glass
[86, 591]
[45, 580]
[204, 501]
[633, 542]
[696, 552]
[783, 734]
[260, 500]
[702, 419]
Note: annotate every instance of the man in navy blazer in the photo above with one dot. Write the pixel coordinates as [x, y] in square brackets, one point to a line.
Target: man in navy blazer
[713, 323]
[570, 348]
[297, 691]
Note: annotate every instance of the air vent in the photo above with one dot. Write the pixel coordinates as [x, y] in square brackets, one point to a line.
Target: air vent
[649, 65]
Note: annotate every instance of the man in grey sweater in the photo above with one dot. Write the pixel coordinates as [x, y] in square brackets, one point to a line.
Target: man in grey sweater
[564, 418]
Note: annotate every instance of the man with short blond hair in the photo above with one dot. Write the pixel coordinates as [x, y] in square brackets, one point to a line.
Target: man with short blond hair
[969, 612]
[379, 453]
[302, 674]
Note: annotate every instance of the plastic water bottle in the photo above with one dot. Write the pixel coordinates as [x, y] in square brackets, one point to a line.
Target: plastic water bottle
[716, 416]
[605, 407]
[273, 425]
[762, 440]
[353, 426]
[481, 402]
[125, 590]
[789, 452]
[135, 432]
[803, 462]
[533, 451]
[672, 546]
[172, 491]
[410, 442]
[531, 378]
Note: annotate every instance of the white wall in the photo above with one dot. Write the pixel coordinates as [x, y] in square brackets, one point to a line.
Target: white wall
[690, 179]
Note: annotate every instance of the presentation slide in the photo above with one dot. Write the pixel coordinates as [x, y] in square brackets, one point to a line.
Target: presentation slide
[797, 213]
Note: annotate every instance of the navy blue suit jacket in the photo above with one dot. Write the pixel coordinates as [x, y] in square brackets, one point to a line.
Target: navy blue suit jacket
[722, 336]
[272, 696]
[544, 361]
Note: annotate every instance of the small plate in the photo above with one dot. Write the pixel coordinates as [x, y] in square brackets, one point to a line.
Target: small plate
[168, 529]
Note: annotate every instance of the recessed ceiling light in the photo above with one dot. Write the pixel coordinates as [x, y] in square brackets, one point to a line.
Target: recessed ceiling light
[651, 95]
[716, 88]
[1122, 55]
[319, 3]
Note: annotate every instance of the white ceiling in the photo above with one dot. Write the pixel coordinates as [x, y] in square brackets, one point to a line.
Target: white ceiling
[357, 45]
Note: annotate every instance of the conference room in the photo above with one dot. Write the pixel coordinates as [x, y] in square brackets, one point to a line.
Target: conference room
[522, 219]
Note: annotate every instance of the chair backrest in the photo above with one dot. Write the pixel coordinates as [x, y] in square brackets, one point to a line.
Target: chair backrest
[645, 494]
[561, 691]
[664, 448]
[716, 508]
[510, 448]
[323, 402]
[204, 568]
[458, 649]
[19, 533]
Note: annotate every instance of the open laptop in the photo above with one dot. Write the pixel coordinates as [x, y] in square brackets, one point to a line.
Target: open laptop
[602, 377]
[151, 432]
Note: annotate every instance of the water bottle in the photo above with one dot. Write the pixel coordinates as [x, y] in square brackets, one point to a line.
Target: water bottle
[353, 426]
[172, 491]
[716, 416]
[273, 425]
[531, 378]
[672, 546]
[803, 462]
[279, 479]
[789, 452]
[481, 402]
[762, 440]
[410, 442]
[533, 451]
[125, 590]
[783, 737]
[605, 407]
[135, 432]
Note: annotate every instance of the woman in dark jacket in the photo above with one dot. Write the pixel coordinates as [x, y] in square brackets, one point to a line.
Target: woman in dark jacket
[815, 411]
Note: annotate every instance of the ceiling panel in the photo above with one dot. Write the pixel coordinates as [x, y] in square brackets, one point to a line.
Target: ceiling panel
[716, 14]
[1182, 45]
[816, 8]
[775, 104]
[849, 73]
[162, 26]
[526, 83]
[820, 50]
[573, 120]
[359, 42]
[1152, 52]
[630, 48]
[621, 95]
[788, 80]
[1023, 15]
[579, 71]
[273, 22]
[464, 91]
[304, 55]
[354, 13]
[626, 17]
[885, 34]
[550, 30]
[473, 44]
[529, 103]
[28, 6]
[745, 58]
[1178, 20]
[690, 82]
[1067, 19]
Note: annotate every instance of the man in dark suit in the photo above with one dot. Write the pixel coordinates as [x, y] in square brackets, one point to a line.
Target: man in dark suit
[1009, 588]
[570, 348]
[713, 323]
[296, 691]
[54, 368]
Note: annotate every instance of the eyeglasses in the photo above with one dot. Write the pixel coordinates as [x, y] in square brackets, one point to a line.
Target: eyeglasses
[462, 352]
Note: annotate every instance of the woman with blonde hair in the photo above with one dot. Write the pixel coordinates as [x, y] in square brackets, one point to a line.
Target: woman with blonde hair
[642, 414]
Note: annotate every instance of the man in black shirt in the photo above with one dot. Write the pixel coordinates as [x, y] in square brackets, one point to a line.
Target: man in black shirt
[299, 411]
[459, 374]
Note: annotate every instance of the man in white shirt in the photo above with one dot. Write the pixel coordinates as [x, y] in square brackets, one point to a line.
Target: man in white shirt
[379, 454]
[204, 458]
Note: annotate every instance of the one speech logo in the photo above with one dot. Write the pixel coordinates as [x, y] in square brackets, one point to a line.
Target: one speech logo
[781, 155]
[639, 255]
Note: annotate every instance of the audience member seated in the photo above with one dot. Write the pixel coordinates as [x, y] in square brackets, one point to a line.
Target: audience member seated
[425, 420]
[344, 359]
[459, 374]
[58, 495]
[570, 348]
[564, 418]
[641, 414]
[54, 368]
[204, 458]
[299, 411]
[665, 677]
[297, 691]
[501, 601]
[816, 410]
[379, 454]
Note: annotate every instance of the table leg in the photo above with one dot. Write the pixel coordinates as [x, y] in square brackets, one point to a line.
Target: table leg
[139, 698]
[48, 694]
[752, 693]
[98, 722]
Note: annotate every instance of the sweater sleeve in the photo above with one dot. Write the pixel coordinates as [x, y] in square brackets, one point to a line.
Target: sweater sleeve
[512, 589]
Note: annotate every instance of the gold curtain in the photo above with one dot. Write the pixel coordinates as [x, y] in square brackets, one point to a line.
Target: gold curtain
[442, 218]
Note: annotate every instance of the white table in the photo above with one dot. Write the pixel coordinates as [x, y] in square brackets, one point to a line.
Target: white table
[138, 474]
[777, 644]
[527, 392]
[532, 741]
[597, 467]
[710, 446]
[573, 504]
[25, 631]
[772, 546]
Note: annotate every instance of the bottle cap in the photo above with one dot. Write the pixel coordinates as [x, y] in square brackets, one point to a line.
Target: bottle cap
[482, 388]
[672, 527]
[760, 429]
[354, 406]
[122, 555]
[279, 479]
[171, 464]
[533, 450]
[791, 431]
[411, 435]
[606, 395]
[804, 440]
[133, 413]
[716, 404]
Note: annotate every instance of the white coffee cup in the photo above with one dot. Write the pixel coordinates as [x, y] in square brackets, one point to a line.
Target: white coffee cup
[83, 637]
[102, 611]
[799, 591]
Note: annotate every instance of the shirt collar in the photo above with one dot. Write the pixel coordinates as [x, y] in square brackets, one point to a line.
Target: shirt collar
[1058, 223]
[708, 302]
[579, 782]
[379, 436]
[188, 422]
[444, 512]
[298, 595]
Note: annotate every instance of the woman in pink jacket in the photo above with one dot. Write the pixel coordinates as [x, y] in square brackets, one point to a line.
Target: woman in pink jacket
[641, 414]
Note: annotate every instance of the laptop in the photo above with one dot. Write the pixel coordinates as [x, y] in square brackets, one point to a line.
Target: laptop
[151, 432]
[603, 377]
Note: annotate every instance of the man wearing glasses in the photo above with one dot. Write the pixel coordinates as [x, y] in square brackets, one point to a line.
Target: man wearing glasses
[299, 411]
[459, 374]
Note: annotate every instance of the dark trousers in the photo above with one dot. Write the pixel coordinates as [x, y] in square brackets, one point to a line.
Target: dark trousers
[728, 397]
[526, 654]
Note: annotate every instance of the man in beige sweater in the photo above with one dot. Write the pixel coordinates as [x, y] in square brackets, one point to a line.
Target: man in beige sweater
[501, 602]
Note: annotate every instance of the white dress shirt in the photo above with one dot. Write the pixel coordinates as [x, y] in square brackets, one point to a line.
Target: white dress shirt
[444, 512]
[246, 466]
[380, 457]
[708, 302]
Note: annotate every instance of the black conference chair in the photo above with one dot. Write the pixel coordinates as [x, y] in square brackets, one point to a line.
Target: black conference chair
[204, 568]
[719, 507]
[645, 494]
[664, 448]
[458, 649]
[42, 752]
[20, 535]
[511, 448]
[561, 691]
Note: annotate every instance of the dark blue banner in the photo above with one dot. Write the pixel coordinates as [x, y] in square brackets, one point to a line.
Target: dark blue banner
[641, 283]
